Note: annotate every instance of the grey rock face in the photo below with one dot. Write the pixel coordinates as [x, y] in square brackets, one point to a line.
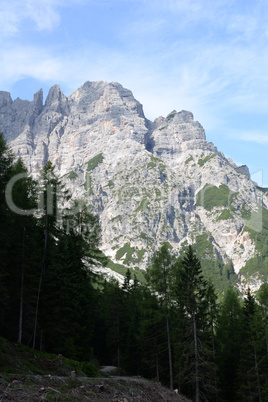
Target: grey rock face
[69, 131]
[142, 178]
[244, 170]
[16, 115]
[176, 134]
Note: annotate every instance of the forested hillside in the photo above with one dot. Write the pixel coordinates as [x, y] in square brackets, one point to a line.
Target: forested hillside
[172, 328]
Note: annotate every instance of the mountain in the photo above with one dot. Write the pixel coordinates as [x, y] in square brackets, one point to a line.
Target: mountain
[149, 182]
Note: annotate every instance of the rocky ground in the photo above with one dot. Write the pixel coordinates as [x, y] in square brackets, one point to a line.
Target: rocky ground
[31, 375]
[53, 388]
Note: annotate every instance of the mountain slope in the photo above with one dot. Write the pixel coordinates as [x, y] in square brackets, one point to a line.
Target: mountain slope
[149, 182]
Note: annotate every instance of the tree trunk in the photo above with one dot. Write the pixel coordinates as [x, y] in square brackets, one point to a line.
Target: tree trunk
[213, 351]
[43, 270]
[169, 355]
[157, 368]
[21, 288]
[197, 390]
[266, 335]
[257, 373]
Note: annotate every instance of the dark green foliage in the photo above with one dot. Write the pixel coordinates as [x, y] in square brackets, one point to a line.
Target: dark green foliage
[189, 159]
[216, 349]
[94, 162]
[19, 236]
[21, 359]
[253, 364]
[212, 196]
[125, 250]
[225, 214]
[67, 298]
[245, 212]
[222, 275]
[196, 300]
[143, 205]
[228, 341]
[201, 161]
[122, 269]
[259, 263]
[203, 245]
[159, 277]
[72, 175]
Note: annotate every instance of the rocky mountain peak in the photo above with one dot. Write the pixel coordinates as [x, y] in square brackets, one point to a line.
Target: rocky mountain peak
[177, 133]
[56, 100]
[149, 181]
[5, 99]
[38, 101]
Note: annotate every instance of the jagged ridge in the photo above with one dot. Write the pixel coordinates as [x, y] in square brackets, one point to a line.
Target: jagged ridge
[144, 178]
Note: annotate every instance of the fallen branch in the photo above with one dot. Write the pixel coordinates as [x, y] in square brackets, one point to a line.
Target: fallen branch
[55, 390]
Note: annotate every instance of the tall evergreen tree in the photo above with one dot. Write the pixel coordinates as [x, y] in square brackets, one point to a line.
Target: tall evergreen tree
[228, 343]
[154, 359]
[189, 291]
[19, 251]
[159, 277]
[67, 315]
[51, 198]
[252, 352]
[262, 297]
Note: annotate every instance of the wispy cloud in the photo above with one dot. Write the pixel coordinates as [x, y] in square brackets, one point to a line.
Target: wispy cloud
[28, 61]
[44, 13]
[254, 136]
[206, 56]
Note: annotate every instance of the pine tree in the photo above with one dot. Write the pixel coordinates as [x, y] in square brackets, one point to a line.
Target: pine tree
[154, 359]
[252, 351]
[51, 200]
[67, 314]
[114, 320]
[159, 277]
[228, 343]
[189, 291]
[19, 250]
[133, 297]
[262, 297]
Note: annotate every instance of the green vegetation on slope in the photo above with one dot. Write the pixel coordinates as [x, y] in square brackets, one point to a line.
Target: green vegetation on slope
[211, 196]
[125, 250]
[226, 214]
[72, 175]
[94, 162]
[259, 263]
[222, 275]
[122, 270]
[189, 159]
[201, 161]
[18, 358]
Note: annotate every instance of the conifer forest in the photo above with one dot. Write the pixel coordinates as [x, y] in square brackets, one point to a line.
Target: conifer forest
[173, 327]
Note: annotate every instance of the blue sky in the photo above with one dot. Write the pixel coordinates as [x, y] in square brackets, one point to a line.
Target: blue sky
[206, 56]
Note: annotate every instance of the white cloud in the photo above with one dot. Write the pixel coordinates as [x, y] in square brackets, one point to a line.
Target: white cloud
[27, 61]
[10, 16]
[43, 13]
[254, 136]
